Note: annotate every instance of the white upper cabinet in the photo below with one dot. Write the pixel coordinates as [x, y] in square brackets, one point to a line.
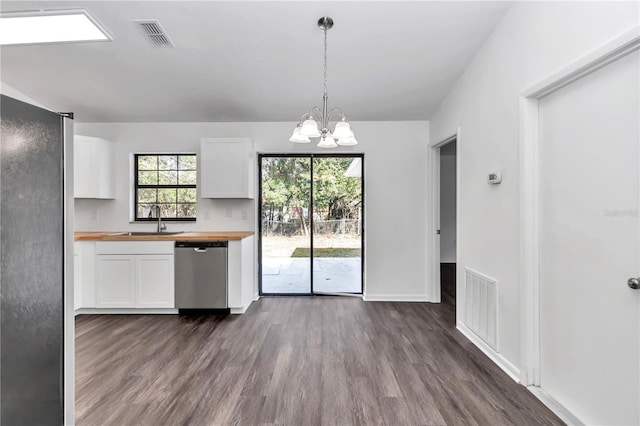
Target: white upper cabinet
[226, 168]
[93, 162]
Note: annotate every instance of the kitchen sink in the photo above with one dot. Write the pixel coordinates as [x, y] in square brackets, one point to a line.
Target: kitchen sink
[134, 234]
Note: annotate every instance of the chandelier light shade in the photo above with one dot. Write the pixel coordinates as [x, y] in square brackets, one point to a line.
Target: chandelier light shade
[327, 141]
[310, 128]
[342, 130]
[347, 141]
[297, 137]
[315, 123]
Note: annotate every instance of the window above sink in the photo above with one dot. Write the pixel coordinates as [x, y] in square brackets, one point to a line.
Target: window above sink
[168, 181]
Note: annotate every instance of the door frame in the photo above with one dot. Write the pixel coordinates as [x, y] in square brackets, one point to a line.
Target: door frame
[530, 175]
[69, 277]
[433, 221]
[311, 156]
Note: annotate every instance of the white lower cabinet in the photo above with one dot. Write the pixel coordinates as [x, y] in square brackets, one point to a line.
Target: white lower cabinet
[126, 280]
[77, 278]
[122, 276]
[154, 281]
[134, 281]
[85, 274]
[115, 281]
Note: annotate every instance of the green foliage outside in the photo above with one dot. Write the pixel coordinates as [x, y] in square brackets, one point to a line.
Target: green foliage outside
[286, 190]
[327, 252]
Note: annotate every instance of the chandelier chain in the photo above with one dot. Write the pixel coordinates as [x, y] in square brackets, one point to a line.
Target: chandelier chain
[325, 62]
[315, 123]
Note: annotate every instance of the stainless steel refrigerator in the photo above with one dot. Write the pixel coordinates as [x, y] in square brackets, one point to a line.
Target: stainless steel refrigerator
[35, 239]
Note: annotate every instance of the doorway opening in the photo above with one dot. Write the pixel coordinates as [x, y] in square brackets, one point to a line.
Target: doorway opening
[311, 224]
[448, 224]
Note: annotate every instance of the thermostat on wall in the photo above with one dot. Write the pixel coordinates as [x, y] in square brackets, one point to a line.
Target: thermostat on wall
[495, 178]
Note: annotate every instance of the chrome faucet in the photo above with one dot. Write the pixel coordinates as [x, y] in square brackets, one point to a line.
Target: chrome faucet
[161, 226]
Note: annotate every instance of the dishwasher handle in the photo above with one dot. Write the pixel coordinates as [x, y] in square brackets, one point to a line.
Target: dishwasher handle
[200, 249]
[204, 245]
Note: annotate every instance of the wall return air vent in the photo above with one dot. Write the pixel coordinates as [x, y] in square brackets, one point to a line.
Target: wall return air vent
[153, 32]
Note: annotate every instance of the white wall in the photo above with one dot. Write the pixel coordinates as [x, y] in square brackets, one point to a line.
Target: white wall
[10, 91]
[448, 203]
[533, 40]
[395, 199]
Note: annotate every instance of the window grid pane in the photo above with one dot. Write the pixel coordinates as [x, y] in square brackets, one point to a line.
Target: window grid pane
[187, 177]
[187, 162]
[147, 162]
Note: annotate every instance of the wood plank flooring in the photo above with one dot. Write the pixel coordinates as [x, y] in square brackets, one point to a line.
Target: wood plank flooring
[294, 361]
[448, 279]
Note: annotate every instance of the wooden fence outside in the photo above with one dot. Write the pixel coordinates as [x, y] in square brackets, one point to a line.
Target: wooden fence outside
[324, 227]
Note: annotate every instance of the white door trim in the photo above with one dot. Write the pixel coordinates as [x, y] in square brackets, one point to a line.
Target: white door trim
[433, 221]
[69, 324]
[620, 46]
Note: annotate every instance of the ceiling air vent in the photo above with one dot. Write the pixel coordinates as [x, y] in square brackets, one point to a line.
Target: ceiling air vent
[153, 32]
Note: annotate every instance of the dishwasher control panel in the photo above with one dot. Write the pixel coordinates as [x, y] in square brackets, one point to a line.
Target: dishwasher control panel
[203, 244]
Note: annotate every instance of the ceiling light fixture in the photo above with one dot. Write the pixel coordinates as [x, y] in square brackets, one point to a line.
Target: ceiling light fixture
[315, 123]
[55, 26]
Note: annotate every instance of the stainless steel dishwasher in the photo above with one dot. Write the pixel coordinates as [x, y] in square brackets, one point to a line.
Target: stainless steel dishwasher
[201, 276]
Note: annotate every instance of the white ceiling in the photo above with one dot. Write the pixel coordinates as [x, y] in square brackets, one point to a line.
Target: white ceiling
[254, 61]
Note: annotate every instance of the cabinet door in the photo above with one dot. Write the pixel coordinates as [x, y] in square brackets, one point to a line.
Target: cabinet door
[154, 283]
[226, 168]
[93, 168]
[115, 281]
[85, 177]
[87, 277]
[105, 161]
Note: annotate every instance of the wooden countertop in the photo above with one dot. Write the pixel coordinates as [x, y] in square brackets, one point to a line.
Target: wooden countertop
[184, 236]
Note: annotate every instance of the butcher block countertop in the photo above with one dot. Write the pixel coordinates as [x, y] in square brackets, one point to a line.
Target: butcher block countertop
[183, 236]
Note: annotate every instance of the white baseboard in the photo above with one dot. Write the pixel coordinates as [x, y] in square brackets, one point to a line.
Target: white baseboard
[496, 357]
[514, 372]
[395, 298]
[239, 310]
[559, 410]
[125, 311]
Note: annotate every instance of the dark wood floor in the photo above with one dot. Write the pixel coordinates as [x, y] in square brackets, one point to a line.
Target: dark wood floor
[294, 361]
[448, 279]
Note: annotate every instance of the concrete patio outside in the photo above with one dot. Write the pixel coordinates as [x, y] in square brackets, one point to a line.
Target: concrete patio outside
[292, 275]
[284, 273]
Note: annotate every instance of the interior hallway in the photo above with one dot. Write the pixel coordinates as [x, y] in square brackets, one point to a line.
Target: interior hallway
[294, 361]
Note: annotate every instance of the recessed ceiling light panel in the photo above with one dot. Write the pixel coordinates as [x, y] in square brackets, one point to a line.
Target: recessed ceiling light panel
[58, 26]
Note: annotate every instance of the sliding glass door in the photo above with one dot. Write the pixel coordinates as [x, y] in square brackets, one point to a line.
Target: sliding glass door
[285, 194]
[311, 210]
[337, 224]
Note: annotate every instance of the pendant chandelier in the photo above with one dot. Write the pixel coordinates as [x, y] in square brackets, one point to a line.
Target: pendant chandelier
[315, 123]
